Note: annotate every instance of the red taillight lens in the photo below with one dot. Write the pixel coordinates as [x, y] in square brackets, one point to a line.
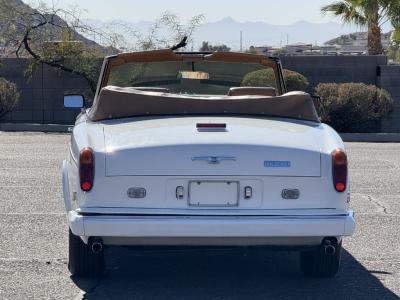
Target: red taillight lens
[86, 169]
[339, 170]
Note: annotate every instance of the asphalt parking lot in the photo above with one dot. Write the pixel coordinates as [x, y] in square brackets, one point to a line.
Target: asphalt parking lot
[33, 240]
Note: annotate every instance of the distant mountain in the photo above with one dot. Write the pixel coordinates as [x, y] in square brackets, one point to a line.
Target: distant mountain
[227, 31]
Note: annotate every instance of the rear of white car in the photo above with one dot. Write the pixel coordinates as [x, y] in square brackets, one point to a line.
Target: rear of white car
[207, 181]
[167, 182]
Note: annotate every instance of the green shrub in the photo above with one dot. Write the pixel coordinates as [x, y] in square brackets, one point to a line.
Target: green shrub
[294, 81]
[9, 96]
[260, 78]
[353, 107]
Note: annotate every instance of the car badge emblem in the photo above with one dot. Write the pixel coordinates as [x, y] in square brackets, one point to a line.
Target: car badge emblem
[277, 164]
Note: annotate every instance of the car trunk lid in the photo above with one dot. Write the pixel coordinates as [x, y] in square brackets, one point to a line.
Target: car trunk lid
[177, 147]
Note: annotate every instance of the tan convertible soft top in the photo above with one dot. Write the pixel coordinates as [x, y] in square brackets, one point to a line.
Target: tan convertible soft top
[115, 102]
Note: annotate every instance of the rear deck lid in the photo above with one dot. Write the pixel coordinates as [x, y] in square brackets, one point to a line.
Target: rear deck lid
[176, 147]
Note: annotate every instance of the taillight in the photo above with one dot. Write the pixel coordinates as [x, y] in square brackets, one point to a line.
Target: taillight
[86, 169]
[339, 170]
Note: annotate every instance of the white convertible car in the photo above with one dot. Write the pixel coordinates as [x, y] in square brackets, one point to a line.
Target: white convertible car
[203, 149]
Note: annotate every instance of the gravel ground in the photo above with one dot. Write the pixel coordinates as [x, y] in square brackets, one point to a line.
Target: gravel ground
[33, 240]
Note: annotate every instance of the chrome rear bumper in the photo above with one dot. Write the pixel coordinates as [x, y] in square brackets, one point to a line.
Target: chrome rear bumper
[241, 227]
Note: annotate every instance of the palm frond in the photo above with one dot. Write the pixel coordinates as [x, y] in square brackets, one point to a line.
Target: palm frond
[349, 12]
[393, 12]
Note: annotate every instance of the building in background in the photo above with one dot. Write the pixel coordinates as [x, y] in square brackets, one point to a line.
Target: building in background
[298, 48]
[349, 44]
[356, 43]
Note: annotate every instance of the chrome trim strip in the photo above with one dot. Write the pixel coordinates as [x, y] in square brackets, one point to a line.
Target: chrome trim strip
[217, 217]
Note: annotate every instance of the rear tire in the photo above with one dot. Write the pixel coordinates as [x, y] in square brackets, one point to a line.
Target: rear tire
[82, 261]
[320, 265]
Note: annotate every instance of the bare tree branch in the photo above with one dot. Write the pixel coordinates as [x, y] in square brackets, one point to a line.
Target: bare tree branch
[59, 38]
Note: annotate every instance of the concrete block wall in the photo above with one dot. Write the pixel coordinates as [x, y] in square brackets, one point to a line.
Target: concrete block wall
[41, 99]
[336, 69]
[390, 81]
[42, 96]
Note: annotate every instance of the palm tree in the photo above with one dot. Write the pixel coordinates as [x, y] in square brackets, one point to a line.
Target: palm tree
[370, 14]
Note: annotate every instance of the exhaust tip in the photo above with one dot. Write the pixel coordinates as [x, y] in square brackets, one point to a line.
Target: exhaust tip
[328, 246]
[97, 247]
[330, 250]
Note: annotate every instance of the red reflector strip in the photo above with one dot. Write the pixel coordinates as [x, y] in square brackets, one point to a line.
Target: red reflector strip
[211, 125]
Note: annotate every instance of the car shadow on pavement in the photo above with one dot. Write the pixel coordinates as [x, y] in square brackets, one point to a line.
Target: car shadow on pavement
[226, 274]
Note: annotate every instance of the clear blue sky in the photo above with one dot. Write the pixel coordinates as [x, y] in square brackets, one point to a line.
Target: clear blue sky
[269, 11]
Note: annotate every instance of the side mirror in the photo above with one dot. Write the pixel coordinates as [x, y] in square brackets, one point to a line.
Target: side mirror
[74, 101]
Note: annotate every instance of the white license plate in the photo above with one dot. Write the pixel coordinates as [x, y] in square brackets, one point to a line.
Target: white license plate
[214, 193]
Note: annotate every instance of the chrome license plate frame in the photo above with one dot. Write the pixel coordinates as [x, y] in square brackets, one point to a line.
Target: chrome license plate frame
[211, 193]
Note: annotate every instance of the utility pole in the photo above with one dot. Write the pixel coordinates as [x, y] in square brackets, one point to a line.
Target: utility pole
[241, 41]
[287, 39]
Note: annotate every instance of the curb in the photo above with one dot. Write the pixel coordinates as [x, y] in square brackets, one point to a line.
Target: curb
[35, 127]
[371, 137]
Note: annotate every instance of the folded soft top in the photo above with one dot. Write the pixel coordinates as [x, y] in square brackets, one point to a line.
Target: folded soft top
[115, 102]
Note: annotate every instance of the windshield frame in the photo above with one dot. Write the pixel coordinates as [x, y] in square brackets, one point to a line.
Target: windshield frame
[169, 55]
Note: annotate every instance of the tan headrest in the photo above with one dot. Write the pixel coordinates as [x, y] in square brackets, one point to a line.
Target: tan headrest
[257, 91]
